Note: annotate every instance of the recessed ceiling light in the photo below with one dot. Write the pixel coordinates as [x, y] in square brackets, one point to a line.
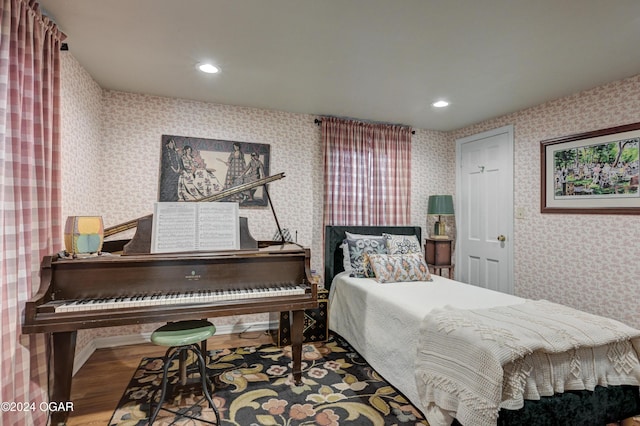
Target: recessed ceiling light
[208, 68]
[440, 104]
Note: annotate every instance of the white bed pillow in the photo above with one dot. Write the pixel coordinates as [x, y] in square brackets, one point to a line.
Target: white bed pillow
[346, 260]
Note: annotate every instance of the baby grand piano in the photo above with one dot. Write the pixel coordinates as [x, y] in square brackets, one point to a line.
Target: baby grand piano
[137, 288]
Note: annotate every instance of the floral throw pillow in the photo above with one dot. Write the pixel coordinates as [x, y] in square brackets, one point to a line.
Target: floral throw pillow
[399, 267]
[358, 247]
[402, 244]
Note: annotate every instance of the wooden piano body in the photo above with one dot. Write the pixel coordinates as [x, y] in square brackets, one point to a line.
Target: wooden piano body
[114, 290]
[102, 278]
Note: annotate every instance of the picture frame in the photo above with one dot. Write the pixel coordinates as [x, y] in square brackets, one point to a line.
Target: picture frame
[194, 168]
[591, 173]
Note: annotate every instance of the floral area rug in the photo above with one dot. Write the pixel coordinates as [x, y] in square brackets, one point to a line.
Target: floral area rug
[254, 386]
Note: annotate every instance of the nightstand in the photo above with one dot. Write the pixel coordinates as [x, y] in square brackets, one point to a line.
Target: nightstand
[437, 253]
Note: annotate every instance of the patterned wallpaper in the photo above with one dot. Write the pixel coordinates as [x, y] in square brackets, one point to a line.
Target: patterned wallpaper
[111, 163]
[590, 262]
[112, 151]
[81, 124]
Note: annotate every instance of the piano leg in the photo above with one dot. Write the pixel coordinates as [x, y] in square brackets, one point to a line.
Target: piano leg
[64, 348]
[296, 344]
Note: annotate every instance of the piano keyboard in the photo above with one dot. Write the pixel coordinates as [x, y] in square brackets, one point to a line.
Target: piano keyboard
[200, 296]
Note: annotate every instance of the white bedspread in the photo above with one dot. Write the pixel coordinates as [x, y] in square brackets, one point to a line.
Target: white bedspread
[382, 321]
[473, 362]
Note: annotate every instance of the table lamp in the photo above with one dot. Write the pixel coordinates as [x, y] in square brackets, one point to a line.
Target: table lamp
[83, 234]
[440, 205]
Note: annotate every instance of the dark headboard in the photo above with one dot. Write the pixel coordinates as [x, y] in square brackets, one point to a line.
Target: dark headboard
[335, 235]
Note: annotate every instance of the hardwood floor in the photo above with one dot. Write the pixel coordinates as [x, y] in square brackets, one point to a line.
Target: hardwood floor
[99, 384]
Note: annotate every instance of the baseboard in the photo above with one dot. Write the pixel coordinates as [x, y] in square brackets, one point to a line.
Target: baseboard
[85, 353]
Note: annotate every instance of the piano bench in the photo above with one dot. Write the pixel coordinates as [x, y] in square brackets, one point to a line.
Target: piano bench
[183, 337]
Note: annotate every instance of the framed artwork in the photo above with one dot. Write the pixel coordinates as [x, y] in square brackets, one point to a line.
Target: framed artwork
[592, 173]
[194, 168]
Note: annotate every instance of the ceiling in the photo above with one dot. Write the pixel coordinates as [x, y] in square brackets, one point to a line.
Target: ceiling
[378, 60]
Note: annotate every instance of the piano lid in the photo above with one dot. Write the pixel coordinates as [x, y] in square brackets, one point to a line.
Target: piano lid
[125, 226]
[141, 241]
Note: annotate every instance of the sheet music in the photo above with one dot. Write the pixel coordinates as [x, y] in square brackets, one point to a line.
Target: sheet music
[219, 226]
[181, 227]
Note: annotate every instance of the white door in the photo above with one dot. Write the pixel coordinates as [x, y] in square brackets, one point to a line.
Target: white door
[484, 209]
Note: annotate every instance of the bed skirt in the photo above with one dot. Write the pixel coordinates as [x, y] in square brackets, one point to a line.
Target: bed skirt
[602, 406]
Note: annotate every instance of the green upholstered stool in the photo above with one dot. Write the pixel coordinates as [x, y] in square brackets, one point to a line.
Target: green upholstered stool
[182, 337]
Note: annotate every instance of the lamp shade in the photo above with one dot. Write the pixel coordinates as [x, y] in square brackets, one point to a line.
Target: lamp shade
[440, 205]
[83, 234]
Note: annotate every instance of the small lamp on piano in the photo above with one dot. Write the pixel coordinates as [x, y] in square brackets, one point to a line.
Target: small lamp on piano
[83, 234]
[440, 205]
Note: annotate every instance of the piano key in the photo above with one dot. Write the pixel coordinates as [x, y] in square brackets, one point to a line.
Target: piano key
[177, 298]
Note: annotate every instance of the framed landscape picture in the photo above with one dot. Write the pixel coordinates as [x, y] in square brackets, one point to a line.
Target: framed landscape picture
[195, 168]
[594, 172]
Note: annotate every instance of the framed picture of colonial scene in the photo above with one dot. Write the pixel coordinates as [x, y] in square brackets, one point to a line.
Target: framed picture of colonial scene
[195, 168]
[594, 172]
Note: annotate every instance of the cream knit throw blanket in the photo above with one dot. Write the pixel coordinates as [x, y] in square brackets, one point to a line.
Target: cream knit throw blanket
[471, 363]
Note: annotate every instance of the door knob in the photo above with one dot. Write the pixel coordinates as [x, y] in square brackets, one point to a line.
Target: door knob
[501, 238]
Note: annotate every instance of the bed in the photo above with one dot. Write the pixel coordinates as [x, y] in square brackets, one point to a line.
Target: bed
[383, 322]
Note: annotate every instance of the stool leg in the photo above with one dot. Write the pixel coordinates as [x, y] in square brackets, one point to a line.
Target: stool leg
[169, 358]
[205, 383]
[165, 375]
[186, 368]
[183, 367]
[203, 348]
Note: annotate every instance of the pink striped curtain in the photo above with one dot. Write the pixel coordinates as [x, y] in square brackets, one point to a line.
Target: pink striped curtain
[367, 173]
[29, 193]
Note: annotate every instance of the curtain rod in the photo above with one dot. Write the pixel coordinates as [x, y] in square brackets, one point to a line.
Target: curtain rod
[319, 122]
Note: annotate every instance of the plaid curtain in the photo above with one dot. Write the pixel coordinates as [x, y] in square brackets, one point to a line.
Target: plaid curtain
[367, 169]
[29, 193]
